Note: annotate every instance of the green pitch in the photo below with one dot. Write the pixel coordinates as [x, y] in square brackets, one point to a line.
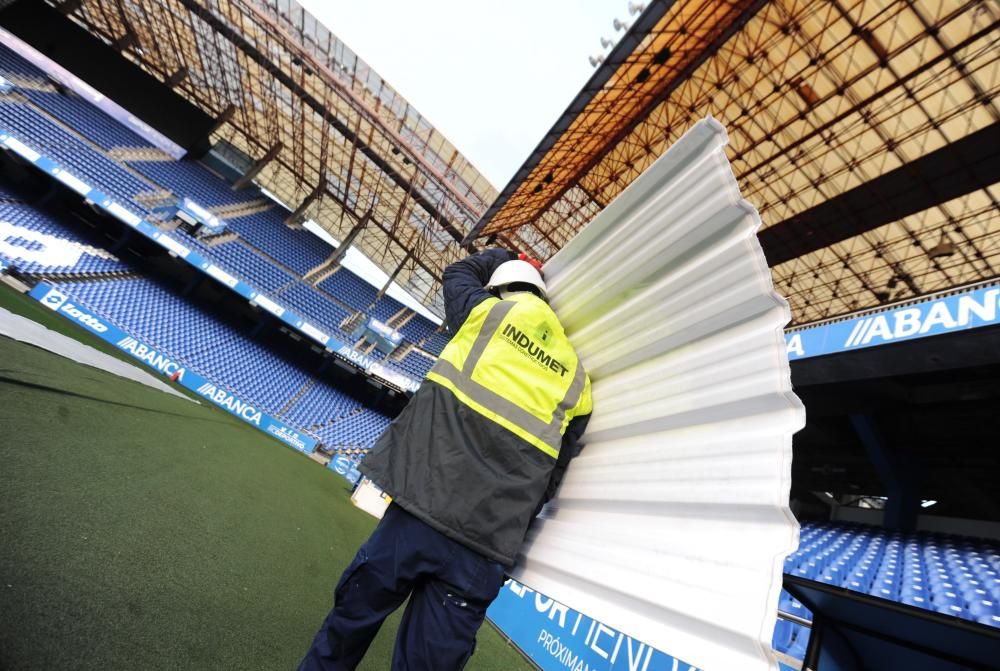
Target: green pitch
[142, 531]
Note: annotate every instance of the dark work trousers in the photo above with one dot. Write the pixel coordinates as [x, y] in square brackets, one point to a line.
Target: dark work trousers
[449, 585]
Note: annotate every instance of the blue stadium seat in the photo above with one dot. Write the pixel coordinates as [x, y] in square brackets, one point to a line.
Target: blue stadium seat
[73, 154]
[800, 642]
[955, 576]
[25, 229]
[190, 179]
[318, 308]
[298, 250]
[783, 634]
[245, 263]
[206, 343]
[435, 343]
[350, 289]
[68, 107]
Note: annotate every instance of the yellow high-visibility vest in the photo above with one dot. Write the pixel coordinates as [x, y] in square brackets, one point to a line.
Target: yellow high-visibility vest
[512, 363]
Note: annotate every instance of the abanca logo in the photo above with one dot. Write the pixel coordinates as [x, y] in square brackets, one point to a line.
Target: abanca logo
[230, 403]
[154, 359]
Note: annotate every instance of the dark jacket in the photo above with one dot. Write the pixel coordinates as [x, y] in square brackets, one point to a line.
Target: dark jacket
[463, 474]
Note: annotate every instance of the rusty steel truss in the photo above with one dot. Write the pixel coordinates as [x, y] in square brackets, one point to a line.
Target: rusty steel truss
[345, 149]
[865, 131]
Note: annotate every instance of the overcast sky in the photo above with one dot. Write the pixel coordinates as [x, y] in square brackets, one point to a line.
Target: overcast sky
[491, 76]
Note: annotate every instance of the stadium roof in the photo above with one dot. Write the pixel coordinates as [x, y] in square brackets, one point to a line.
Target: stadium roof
[865, 132]
[343, 144]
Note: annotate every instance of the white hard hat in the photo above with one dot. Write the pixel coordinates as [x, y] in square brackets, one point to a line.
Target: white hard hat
[517, 271]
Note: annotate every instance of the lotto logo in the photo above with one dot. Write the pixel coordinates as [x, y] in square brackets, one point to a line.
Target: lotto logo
[54, 299]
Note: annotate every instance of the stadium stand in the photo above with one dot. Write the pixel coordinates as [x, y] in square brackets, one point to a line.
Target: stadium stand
[385, 308]
[219, 350]
[952, 575]
[417, 329]
[328, 314]
[85, 118]
[948, 574]
[13, 66]
[336, 300]
[66, 105]
[187, 178]
[414, 364]
[49, 246]
[71, 152]
[244, 262]
[299, 250]
[290, 253]
[435, 343]
[83, 139]
[360, 430]
[336, 406]
[349, 288]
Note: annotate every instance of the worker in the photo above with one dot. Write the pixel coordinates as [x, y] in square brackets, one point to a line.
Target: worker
[469, 463]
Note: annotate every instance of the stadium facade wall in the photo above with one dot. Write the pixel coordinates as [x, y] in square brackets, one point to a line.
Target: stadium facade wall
[61, 304]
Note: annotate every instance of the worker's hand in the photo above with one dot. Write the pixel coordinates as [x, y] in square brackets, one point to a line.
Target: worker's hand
[535, 262]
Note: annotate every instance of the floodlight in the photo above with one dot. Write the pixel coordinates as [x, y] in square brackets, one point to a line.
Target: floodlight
[605, 43]
[620, 25]
[596, 61]
[636, 8]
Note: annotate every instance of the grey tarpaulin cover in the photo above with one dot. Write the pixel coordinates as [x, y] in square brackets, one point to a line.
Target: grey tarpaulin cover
[25, 330]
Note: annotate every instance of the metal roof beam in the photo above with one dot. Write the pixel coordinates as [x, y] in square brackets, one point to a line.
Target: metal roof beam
[240, 42]
[255, 169]
[388, 233]
[633, 38]
[221, 119]
[954, 170]
[613, 141]
[178, 76]
[296, 216]
[351, 237]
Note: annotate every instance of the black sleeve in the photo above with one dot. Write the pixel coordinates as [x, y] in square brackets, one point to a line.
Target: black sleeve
[464, 283]
[570, 448]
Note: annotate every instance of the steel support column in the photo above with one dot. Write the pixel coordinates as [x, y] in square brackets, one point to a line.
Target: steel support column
[897, 474]
[245, 180]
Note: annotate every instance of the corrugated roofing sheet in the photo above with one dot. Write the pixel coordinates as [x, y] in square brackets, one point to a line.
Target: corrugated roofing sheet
[672, 525]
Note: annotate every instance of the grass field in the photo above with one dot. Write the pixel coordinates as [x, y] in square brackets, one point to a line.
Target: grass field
[143, 531]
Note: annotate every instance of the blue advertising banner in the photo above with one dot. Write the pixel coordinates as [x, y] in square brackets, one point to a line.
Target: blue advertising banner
[967, 310]
[77, 312]
[558, 638]
[345, 466]
[209, 267]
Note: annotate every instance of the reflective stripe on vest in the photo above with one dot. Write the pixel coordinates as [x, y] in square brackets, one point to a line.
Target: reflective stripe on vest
[546, 436]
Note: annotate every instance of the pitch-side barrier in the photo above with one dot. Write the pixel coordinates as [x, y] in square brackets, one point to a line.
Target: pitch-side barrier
[85, 317]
